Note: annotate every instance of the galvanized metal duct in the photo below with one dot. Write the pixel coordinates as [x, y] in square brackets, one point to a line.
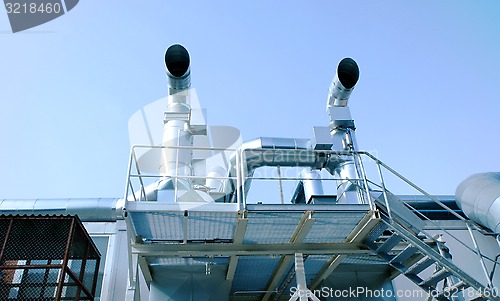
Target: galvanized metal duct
[88, 210]
[342, 85]
[311, 183]
[266, 151]
[342, 128]
[479, 198]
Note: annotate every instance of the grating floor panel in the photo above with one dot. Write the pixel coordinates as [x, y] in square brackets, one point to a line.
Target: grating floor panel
[331, 227]
[253, 273]
[169, 226]
[271, 227]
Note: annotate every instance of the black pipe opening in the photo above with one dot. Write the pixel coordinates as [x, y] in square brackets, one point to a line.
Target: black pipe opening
[348, 73]
[177, 60]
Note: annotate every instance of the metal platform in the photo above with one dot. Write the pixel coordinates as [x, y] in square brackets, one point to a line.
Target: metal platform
[255, 247]
[261, 251]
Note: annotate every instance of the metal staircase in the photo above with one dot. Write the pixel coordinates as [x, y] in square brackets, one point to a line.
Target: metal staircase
[399, 240]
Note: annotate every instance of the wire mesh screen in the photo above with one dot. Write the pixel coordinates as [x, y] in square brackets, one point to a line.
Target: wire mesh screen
[46, 258]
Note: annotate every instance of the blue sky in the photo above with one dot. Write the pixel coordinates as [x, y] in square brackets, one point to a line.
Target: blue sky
[427, 101]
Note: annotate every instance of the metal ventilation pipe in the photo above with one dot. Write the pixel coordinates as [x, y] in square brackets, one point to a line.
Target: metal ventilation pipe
[267, 151]
[479, 198]
[342, 85]
[88, 210]
[311, 181]
[342, 128]
[176, 160]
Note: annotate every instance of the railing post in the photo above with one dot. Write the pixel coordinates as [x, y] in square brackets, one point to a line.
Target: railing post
[280, 185]
[359, 165]
[127, 184]
[242, 176]
[238, 179]
[384, 191]
[478, 252]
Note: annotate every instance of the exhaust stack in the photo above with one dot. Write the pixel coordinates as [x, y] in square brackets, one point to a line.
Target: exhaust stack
[177, 137]
[342, 129]
[342, 85]
[178, 72]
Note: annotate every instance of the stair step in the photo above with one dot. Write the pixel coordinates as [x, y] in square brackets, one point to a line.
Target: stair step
[435, 278]
[376, 232]
[444, 295]
[414, 278]
[420, 266]
[371, 245]
[386, 256]
[405, 254]
[390, 243]
[399, 267]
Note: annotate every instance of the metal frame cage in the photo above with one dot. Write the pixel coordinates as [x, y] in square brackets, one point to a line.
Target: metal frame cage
[46, 258]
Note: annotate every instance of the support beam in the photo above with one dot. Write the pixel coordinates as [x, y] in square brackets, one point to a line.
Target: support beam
[278, 273]
[143, 264]
[238, 237]
[304, 226]
[227, 249]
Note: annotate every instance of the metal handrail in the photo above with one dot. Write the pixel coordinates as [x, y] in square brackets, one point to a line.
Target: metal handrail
[413, 185]
[134, 170]
[467, 222]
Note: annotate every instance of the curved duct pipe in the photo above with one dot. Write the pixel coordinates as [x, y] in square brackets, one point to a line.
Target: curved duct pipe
[342, 85]
[267, 151]
[479, 198]
[88, 210]
[283, 154]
